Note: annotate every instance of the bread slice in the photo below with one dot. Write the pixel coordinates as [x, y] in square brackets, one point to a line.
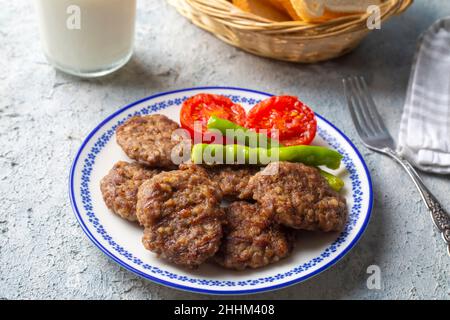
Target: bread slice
[277, 4]
[349, 6]
[288, 8]
[322, 10]
[304, 11]
[262, 8]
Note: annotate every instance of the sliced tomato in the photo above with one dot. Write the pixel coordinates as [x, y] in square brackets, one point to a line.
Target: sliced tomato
[294, 121]
[201, 107]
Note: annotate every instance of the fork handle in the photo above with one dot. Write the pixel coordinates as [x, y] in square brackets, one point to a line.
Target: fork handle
[440, 218]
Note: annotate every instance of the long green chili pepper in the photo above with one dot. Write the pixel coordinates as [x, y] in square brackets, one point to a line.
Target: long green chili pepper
[241, 135]
[335, 183]
[309, 155]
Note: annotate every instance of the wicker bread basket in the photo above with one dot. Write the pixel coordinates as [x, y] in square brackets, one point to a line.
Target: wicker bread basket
[296, 41]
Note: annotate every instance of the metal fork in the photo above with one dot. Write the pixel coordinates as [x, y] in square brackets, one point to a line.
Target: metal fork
[376, 137]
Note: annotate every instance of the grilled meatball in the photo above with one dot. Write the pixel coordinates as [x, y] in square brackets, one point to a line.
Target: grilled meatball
[251, 238]
[298, 197]
[232, 179]
[150, 140]
[120, 186]
[181, 213]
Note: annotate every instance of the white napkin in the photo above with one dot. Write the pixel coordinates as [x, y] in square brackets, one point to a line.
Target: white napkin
[425, 126]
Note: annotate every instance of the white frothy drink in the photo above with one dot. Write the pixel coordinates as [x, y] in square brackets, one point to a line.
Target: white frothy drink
[87, 37]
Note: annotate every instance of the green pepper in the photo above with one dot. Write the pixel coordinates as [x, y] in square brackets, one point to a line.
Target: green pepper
[241, 135]
[335, 182]
[309, 155]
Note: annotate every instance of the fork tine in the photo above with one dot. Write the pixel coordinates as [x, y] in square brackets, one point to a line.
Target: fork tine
[362, 107]
[378, 121]
[351, 105]
[358, 107]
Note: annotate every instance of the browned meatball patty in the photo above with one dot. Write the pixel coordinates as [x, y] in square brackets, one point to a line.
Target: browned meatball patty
[251, 239]
[182, 216]
[298, 197]
[148, 140]
[232, 179]
[120, 186]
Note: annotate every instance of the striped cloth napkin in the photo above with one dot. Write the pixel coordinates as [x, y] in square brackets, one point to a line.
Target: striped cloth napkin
[425, 126]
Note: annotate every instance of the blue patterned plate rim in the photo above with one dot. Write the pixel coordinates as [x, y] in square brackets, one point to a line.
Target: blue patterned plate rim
[191, 288]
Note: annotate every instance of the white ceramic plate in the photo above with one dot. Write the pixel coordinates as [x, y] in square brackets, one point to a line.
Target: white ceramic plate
[121, 240]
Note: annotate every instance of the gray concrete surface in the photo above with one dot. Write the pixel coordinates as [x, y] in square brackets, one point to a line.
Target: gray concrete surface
[44, 115]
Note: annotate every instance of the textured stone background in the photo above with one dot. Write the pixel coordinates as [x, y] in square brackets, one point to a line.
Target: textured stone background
[44, 115]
